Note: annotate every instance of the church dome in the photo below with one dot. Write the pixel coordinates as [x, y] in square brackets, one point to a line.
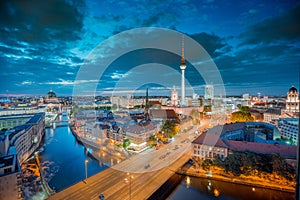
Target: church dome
[293, 90]
[51, 94]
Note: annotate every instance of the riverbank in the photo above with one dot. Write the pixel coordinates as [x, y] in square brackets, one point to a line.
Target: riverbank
[253, 181]
[99, 145]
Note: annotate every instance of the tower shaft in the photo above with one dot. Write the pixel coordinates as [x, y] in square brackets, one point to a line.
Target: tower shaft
[182, 87]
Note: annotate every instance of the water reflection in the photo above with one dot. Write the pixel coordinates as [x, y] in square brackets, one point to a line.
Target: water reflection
[201, 188]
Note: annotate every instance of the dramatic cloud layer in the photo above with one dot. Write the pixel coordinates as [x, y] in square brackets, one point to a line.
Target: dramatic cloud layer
[255, 45]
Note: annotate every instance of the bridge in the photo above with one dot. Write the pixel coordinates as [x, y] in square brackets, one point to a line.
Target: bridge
[111, 184]
[144, 174]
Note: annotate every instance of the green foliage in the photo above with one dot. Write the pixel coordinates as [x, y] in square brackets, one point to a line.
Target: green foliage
[195, 114]
[126, 143]
[170, 129]
[152, 138]
[241, 116]
[249, 163]
[282, 168]
[244, 108]
[132, 149]
[206, 164]
[218, 162]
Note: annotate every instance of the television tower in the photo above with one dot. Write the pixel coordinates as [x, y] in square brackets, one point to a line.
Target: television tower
[182, 67]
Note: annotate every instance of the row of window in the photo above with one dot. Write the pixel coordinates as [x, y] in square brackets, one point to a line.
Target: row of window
[209, 148]
[208, 154]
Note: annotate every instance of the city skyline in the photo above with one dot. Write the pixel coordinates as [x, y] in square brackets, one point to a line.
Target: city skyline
[255, 45]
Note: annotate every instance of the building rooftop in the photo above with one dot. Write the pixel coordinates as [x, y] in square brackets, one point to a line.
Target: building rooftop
[35, 119]
[221, 129]
[140, 128]
[210, 139]
[6, 161]
[286, 151]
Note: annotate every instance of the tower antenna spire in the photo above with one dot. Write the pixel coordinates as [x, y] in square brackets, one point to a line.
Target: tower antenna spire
[182, 50]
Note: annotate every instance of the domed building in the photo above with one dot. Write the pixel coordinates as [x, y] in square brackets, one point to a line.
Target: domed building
[292, 100]
[51, 102]
[51, 97]
[51, 94]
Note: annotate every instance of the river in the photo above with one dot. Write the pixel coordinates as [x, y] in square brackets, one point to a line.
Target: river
[63, 161]
[206, 189]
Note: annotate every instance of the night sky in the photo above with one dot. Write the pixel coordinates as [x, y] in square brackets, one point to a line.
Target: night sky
[254, 44]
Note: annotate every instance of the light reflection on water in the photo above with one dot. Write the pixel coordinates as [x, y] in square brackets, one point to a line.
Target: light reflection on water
[204, 189]
[63, 158]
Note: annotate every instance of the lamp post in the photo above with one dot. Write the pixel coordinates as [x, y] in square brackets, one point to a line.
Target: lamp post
[129, 179]
[86, 162]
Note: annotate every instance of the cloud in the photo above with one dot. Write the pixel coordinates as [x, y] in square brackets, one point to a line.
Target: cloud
[285, 27]
[37, 33]
[213, 44]
[38, 21]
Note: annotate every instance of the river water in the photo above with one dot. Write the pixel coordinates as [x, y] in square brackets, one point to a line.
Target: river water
[205, 189]
[63, 160]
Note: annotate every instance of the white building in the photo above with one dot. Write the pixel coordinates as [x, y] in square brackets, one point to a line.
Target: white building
[23, 139]
[174, 97]
[209, 92]
[292, 100]
[289, 129]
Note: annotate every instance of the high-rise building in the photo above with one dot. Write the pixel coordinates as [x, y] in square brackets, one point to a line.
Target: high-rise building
[182, 67]
[209, 92]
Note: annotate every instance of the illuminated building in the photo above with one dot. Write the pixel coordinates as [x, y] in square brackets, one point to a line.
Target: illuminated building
[16, 145]
[10, 178]
[23, 139]
[292, 101]
[253, 136]
[209, 92]
[289, 129]
[51, 97]
[174, 97]
[51, 102]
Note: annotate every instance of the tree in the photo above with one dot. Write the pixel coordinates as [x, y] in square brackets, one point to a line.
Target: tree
[170, 129]
[241, 116]
[206, 164]
[126, 143]
[195, 114]
[152, 138]
[282, 168]
[244, 108]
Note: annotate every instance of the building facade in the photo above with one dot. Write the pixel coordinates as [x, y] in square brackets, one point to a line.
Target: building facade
[10, 178]
[255, 137]
[174, 97]
[292, 100]
[209, 92]
[289, 129]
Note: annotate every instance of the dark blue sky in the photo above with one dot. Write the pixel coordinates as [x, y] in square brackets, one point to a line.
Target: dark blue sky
[254, 44]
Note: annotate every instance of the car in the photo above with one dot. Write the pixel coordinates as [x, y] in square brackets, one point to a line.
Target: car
[147, 166]
[101, 196]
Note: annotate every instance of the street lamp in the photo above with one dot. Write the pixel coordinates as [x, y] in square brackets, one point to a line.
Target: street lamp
[129, 179]
[86, 162]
